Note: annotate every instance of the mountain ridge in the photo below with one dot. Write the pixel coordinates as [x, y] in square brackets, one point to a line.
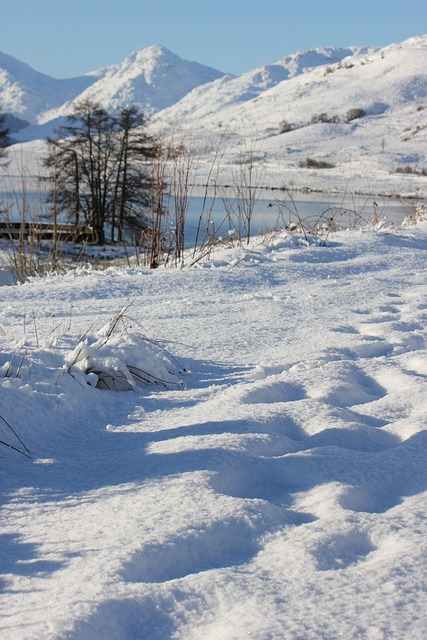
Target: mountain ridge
[289, 110]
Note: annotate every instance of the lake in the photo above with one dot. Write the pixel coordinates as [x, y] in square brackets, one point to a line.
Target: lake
[273, 210]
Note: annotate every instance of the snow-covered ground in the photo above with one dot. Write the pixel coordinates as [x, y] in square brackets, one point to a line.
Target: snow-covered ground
[280, 493]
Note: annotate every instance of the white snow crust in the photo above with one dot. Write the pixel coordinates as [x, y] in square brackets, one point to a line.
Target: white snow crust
[282, 493]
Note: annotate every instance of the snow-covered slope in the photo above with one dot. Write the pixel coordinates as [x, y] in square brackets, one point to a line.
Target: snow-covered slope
[389, 85]
[27, 93]
[153, 78]
[376, 81]
[281, 495]
[215, 98]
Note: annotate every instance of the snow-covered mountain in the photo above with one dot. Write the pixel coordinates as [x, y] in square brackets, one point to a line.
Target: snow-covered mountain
[26, 93]
[153, 78]
[375, 80]
[215, 98]
[387, 86]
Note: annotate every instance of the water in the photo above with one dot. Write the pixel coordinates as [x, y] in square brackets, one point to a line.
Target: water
[220, 215]
[278, 211]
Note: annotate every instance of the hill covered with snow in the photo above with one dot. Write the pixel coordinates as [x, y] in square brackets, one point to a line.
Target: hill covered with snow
[374, 80]
[154, 78]
[308, 114]
[26, 93]
[296, 108]
[216, 98]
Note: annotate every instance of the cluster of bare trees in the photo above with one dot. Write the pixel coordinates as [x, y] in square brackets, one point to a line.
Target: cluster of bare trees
[100, 171]
[113, 182]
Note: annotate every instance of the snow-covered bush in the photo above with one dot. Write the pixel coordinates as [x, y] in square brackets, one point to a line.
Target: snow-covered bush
[355, 114]
[324, 118]
[285, 126]
[419, 214]
[119, 358]
[313, 163]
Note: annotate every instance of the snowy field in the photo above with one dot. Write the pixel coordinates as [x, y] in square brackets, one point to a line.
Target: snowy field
[279, 493]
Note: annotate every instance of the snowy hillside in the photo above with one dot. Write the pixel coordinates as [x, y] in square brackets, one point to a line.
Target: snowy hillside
[26, 93]
[281, 493]
[153, 78]
[215, 98]
[376, 81]
[286, 112]
[388, 86]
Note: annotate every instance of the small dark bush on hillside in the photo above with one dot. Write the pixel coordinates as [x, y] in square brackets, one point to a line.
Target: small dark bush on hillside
[285, 126]
[354, 114]
[407, 169]
[421, 108]
[324, 118]
[312, 163]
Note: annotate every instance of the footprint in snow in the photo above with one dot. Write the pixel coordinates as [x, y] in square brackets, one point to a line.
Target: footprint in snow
[223, 544]
[366, 500]
[343, 385]
[344, 328]
[388, 308]
[342, 550]
[278, 391]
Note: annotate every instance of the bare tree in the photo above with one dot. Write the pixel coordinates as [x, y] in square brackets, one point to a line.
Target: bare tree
[133, 182]
[100, 165]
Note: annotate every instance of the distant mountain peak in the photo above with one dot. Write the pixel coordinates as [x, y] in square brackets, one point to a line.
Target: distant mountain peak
[153, 78]
[155, 51]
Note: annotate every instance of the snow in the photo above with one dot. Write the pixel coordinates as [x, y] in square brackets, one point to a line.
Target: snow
[389, 84]
[27, 93]
[221, 116]
[280, 493]
[154, 78]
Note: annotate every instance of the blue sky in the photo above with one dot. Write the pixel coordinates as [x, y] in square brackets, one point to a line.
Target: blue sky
[67, 37]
